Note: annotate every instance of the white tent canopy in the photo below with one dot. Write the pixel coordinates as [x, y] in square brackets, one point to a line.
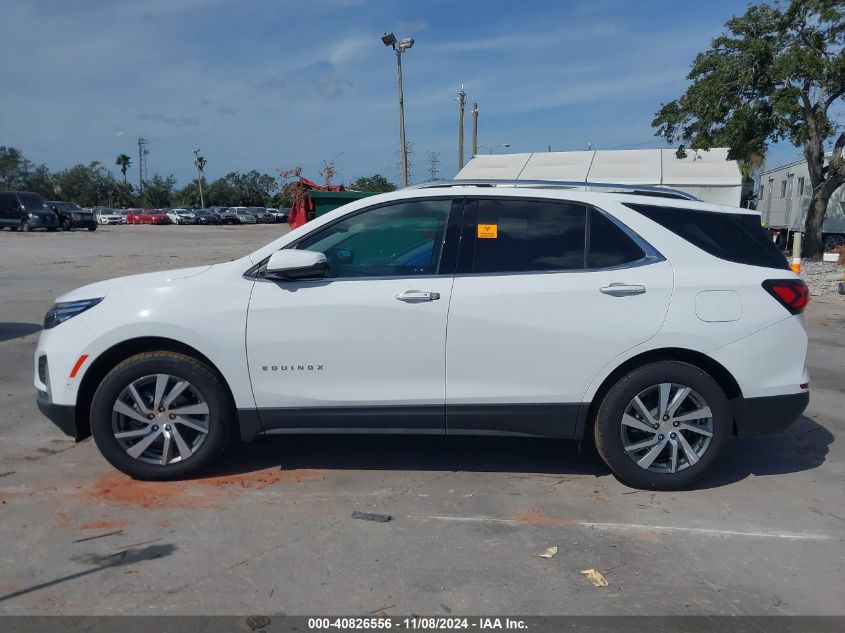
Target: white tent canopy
[709, 175]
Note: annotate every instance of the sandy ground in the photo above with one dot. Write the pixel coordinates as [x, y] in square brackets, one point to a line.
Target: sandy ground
[270, 529]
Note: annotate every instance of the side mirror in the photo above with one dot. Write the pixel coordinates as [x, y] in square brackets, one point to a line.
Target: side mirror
[291, 265]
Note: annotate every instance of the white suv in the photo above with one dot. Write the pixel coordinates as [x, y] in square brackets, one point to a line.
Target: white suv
[656, 325]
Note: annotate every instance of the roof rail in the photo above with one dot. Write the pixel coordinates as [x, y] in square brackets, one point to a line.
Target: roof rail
[606, 187]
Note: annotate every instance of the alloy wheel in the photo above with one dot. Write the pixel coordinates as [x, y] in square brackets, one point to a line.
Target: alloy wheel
[160, 419]
[667, 428]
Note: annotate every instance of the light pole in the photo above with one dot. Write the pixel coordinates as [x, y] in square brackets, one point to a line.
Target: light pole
[199, 161]
[400, 46]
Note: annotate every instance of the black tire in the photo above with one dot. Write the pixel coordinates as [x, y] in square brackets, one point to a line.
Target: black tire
[25, 227]
[52, 229]
[66, 226]
[221, 413]
[92, 228]
[608, 427]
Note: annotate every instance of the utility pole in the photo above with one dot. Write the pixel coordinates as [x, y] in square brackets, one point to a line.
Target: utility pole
[142, 162]
[199, 161]
[462, 100]
[433, 171]
[400, 46]
[474, 129]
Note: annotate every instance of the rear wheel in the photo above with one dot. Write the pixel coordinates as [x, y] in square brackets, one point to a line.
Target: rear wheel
[161, 415]
[662, 426]
[92, 228]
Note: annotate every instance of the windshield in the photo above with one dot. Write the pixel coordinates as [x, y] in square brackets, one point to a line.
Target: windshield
[106, 211]
[32, 202]
[66, 206]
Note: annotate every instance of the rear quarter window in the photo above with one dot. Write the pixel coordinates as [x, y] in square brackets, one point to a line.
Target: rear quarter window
[734, 237]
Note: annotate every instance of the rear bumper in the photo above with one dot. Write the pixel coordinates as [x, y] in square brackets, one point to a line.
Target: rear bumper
[769, 414]
[62, 415]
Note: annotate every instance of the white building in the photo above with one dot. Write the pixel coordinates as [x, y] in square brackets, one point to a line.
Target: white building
[708, 175]
[784, 198]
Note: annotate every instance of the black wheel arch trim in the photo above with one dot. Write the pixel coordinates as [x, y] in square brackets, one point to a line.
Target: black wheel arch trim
[119, 352]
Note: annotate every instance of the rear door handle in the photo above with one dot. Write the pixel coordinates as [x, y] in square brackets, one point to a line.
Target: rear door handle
[623, 290]
[417, 296]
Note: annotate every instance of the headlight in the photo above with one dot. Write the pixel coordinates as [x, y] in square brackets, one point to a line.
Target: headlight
[61, 312]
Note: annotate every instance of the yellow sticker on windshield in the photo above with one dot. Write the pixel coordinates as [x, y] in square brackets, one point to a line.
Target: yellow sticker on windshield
[488, 231]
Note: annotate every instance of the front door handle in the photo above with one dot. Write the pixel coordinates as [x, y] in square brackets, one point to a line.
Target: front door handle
[623, 290]
[417, 296]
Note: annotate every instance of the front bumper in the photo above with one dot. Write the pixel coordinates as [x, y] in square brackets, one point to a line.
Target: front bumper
[770, 414]
[63, 416]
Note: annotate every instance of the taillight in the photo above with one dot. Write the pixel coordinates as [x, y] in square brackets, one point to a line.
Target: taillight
[792, 294]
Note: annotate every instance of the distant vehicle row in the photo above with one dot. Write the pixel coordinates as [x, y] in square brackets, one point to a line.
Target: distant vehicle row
[25, 211]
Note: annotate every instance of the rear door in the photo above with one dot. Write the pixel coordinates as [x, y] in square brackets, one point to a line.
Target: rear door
[546, 293]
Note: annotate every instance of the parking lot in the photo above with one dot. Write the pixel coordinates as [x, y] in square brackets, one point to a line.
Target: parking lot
[270, 529]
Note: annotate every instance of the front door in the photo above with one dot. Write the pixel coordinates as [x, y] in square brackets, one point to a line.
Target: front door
[545, 295]
[363, 348]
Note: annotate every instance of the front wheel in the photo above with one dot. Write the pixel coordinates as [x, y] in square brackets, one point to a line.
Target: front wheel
[25, 227]
[662, 426]
[161, 415]
[66, 226]
[92, 228]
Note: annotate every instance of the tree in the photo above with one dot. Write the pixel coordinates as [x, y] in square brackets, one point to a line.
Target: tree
[255, 188]
[189, 195]
[158, 191]
[124, 161]
[772, 75]
[12, 167]
[376, 183]
[87, 185]
[221, 193]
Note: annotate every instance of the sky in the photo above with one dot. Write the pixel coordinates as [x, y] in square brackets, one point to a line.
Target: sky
[268, 85]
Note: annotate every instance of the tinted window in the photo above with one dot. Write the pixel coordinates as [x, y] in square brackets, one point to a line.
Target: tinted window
[528, 235]
[32, 201]
[608, 245]
[398, 240]
[733, 237]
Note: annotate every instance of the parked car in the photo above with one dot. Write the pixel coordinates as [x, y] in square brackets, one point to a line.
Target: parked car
[242, 215]
[107, 215]
[226, 216]
[182, 216]
[206, 217]
[571, 313]
[281, 215]
[72, 216]
[262, 216]
[26, 210]
[148, 216]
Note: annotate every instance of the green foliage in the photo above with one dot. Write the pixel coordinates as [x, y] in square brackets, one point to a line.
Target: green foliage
[124, 162]
[255, 189]
[376, 183]
[158, 191]
[87, 185]
[772, 75]
[221, 193]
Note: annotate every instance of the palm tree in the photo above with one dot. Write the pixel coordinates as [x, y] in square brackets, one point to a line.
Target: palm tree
[124, 161]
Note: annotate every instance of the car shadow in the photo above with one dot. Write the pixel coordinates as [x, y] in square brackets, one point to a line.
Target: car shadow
[10, 330]
[802, 447]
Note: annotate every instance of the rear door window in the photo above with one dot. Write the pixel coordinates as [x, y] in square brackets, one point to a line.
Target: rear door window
[513, 235]
[734, 237]
[608, 245]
